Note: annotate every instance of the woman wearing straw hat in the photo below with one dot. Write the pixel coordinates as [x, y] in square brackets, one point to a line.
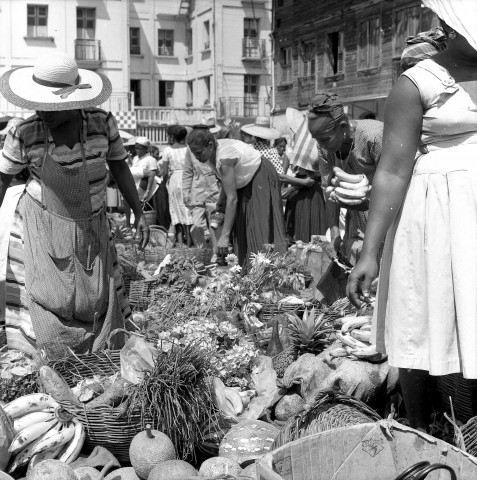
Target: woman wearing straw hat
[252, 187]
[64, 285]
[259, 135]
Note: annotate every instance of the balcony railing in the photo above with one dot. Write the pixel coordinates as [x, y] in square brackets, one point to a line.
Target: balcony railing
[306, 89]
[169, 116]
[242, 107]
[87, 50]
[119, 102]
[253, 48]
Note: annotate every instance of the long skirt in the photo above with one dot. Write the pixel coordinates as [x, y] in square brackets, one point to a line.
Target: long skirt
[18, 325]
[179, 212]
[426, 313]
[160, 203]
[259, 219]
[305, 213]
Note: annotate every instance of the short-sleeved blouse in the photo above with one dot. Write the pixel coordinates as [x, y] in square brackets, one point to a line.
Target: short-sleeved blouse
[25, 148]
[242, 156]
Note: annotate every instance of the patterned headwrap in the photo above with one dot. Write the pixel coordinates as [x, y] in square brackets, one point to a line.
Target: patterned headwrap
[423, 45]
[326, 107]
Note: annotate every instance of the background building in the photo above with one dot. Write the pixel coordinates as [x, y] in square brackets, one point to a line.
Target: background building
[351, 47]
[169, 61]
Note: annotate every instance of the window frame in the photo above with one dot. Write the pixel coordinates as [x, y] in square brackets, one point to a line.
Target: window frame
[328, 67]
[89, 31]
[286, 64]
[370, 32]
[189, 41]
[136, 92]
[137, 38]
[35, 29]
[207, 35]
[168, 92]
[163, 52]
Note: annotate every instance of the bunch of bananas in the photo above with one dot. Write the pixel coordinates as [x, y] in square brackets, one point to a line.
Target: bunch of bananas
[42, 431]
[355, 338]
[347, 188]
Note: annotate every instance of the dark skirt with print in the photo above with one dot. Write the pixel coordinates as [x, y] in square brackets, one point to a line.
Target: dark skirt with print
[305, 213]
[259, 219]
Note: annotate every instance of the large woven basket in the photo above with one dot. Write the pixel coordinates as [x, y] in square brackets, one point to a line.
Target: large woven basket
[331, 411]
[105, 426]
[140, 292]
[458, 388]
[201, 254]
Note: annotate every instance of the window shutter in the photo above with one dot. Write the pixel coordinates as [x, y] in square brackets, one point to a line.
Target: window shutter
[340, 61]
[363, 46]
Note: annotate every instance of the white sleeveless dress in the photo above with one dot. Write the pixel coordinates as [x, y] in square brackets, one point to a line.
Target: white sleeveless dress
[426, 311]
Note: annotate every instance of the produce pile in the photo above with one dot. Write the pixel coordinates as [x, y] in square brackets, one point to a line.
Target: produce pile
[199, 388]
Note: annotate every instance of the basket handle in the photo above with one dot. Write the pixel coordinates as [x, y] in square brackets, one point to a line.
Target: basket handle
[118, 330]
[435, 466]
[148, 204]
[409, 473]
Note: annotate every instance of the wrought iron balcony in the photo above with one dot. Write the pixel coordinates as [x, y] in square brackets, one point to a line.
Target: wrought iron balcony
[253, 49]
[243, 107]
[88, 52]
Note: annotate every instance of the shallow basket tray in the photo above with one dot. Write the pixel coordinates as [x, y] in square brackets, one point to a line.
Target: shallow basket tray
[104, 425]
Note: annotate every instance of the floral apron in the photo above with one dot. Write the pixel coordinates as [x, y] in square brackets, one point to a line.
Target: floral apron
[68, 262]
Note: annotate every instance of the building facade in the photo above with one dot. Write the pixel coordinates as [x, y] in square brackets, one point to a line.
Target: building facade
[210, 57]
[94, 33]
[352, 48]
[169, 61]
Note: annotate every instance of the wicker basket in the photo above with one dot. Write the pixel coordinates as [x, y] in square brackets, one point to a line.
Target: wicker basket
[469, 434]
[201, 254]
[332, 411]
[140, 291]
[269, 312]
[105, 426]
[155, 255]
[458, 388]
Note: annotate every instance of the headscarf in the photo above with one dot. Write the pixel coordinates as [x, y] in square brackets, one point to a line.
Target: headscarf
[423, 45]
[326, 107]
[461, 15]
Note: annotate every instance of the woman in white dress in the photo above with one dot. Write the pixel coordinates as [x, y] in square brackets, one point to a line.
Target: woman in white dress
[174, 157]
[426, 311]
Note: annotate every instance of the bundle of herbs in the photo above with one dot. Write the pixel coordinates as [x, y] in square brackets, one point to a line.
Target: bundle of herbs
[175, 396]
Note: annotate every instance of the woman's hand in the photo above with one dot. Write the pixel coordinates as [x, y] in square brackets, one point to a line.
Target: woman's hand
[223, 243]
[142, 232]
[360, 279]
[308, 182]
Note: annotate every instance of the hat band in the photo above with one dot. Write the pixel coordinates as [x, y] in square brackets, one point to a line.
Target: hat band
[65, 89]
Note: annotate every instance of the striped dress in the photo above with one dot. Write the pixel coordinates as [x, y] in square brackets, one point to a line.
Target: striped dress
[24, 148]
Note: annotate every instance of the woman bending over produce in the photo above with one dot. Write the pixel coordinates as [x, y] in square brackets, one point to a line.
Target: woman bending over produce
[252, 187]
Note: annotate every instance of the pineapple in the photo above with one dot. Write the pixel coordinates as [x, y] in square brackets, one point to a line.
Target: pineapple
[308, 335]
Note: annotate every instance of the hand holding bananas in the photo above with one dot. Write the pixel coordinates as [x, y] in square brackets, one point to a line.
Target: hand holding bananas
[348, 189]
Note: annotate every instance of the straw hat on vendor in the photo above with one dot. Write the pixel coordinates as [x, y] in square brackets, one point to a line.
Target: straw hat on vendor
[261, 129]
[76, 300]
[259, 135]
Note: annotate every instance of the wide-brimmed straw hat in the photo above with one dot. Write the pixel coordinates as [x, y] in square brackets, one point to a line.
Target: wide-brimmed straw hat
[261, 128]
[55, 83]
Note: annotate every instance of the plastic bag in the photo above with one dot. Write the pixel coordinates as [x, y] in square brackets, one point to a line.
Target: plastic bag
[136, 357]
